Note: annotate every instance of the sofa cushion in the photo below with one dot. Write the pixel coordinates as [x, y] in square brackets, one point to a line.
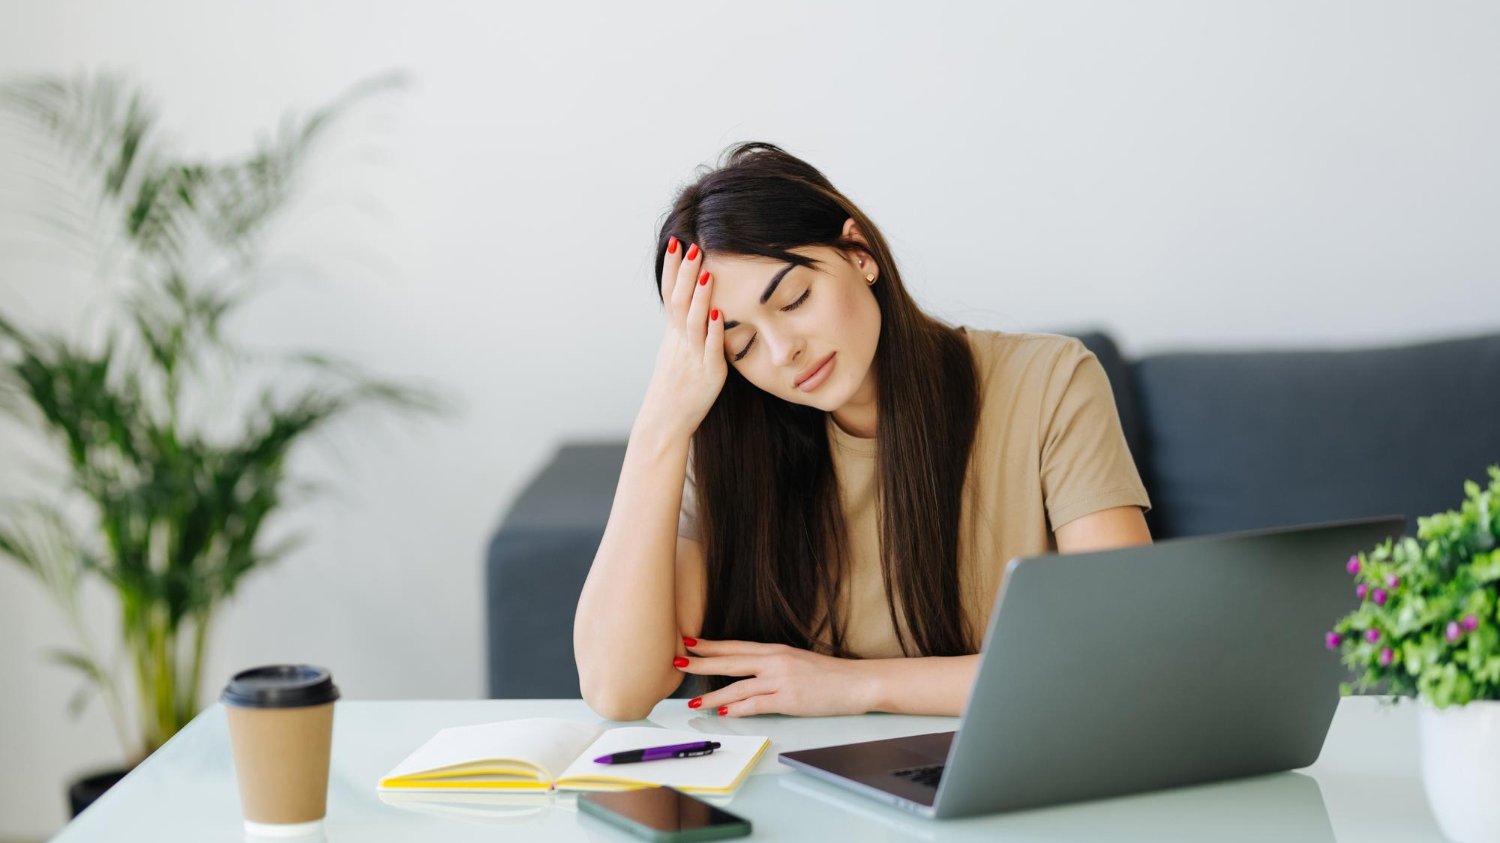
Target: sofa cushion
[537, 563]
[1245, 440]
[575, 489]
[534, 578]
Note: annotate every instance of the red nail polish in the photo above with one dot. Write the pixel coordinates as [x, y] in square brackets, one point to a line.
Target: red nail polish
[692, 251]
[672, 246]
[713, 316]
[723, 709]
[679, 662]
[695, 702]
[703, 279]
[693, 642]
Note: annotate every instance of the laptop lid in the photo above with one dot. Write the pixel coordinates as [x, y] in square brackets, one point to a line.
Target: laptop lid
[1185, 661]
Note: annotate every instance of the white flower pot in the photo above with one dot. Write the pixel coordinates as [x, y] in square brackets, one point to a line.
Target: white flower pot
[1461, 769]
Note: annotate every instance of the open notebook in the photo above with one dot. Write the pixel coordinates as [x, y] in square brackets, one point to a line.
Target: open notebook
[543, 753]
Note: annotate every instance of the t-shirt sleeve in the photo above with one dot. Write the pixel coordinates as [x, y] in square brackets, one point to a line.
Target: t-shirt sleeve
[687, 519]
[1086, 462]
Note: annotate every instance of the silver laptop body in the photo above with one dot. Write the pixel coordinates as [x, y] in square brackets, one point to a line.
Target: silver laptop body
[1118, 671]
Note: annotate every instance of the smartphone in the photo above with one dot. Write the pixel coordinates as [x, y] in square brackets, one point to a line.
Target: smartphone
[663, 813]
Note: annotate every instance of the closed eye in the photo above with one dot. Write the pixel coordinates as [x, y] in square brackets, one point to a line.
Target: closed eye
[793, 306]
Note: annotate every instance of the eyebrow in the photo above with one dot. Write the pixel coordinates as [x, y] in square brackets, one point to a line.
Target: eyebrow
[766, 296]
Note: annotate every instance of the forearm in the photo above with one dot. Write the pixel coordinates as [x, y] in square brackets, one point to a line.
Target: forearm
[625, 628]
[935, 685]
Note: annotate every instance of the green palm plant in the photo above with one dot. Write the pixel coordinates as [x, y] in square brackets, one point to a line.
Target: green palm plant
[165, 508]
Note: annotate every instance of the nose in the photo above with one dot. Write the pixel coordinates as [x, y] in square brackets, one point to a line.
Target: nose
[784, 351]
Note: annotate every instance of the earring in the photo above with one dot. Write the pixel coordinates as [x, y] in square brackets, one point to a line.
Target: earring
[870, 279]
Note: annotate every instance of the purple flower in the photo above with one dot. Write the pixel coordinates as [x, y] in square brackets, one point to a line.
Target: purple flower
[1380, 596]
[1470, 623]
[1387, 655]
[1455, 632]
[1372, 635]
[1332, 640]
[1361, 590]
[1353, 565]
[1392, 580]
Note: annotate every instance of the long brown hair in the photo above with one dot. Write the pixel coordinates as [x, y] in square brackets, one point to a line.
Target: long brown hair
[774, 534]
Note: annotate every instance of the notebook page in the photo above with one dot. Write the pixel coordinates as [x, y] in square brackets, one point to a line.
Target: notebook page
[546, 742]
[722, 770]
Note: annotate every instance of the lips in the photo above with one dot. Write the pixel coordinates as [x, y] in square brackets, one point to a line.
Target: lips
[812, 371]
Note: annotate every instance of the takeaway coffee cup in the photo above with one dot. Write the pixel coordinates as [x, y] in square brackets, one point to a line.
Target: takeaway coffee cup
[281, 727]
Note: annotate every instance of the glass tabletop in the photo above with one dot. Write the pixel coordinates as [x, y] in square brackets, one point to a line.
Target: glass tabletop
[1365, 786]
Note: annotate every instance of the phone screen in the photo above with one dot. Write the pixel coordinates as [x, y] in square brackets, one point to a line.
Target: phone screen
[663, 809]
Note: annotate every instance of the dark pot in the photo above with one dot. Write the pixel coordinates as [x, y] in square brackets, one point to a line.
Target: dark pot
[83, 792]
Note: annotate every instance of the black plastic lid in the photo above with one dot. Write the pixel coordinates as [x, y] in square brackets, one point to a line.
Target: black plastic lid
[280, 686]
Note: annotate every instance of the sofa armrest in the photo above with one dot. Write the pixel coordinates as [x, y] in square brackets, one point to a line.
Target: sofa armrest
[536, 566]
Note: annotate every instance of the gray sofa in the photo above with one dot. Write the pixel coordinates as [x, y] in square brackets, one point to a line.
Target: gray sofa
[1224, 440]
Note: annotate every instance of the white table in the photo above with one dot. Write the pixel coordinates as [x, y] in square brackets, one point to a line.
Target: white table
[1366, 786]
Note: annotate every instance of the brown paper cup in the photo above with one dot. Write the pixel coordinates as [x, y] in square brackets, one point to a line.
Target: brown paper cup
[281, 729]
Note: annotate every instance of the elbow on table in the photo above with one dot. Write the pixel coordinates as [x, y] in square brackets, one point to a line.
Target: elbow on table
[612, 704]
[617, 707]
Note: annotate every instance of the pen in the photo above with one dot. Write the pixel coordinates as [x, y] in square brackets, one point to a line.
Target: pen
[656, 753]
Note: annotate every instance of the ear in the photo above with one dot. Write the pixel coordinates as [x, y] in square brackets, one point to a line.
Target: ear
[852, 232]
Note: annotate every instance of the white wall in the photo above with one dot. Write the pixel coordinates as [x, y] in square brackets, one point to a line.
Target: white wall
[1181, 173]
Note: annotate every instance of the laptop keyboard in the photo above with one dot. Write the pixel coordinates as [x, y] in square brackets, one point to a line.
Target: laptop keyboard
[929, 776]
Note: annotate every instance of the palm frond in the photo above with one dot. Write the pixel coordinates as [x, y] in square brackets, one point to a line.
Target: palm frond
[245, 194]
[105, 127]
[79, 662]
[43, 541]
[97, 120]
[179, 513]
[80, 402]
[369, 388]
[80, 699]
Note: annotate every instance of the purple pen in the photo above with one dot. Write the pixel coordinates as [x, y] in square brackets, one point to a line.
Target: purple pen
[657, 753]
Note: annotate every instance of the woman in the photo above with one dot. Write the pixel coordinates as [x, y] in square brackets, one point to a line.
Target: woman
[854, 474]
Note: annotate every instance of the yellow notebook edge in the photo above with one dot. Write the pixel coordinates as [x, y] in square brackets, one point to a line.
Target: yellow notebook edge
[442, 777]
[400, 784]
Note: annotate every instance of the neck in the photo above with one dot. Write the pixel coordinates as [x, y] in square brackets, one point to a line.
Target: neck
[858, 416]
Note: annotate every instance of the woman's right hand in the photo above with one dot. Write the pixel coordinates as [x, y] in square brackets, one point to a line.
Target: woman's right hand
[690, 365]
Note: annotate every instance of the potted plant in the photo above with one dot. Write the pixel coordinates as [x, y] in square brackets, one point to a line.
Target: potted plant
[1427, 627]
[167, 487]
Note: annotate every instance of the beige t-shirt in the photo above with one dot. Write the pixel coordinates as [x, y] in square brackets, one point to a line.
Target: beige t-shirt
[1048, 449]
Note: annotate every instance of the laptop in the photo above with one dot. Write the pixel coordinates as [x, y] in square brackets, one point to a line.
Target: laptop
[1120, 671]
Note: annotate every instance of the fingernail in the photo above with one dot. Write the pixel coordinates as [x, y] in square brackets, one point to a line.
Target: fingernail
[679, 662]
[695, 702]
[693, 642]
[713, 316]
[692, 251]
[723, 709]
[703, 279]
[672, 246]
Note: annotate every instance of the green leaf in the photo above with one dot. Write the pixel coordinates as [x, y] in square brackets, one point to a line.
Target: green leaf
[1489, 671]
[1485, 567]
[80, 699]
[80, 662]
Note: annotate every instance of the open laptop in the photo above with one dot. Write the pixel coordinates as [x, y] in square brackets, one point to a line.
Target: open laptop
[1118, 671]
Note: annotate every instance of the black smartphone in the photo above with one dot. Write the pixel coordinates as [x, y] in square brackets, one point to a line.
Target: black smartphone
[663, 813]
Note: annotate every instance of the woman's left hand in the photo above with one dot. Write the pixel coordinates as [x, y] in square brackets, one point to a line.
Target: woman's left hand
[780, 679]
